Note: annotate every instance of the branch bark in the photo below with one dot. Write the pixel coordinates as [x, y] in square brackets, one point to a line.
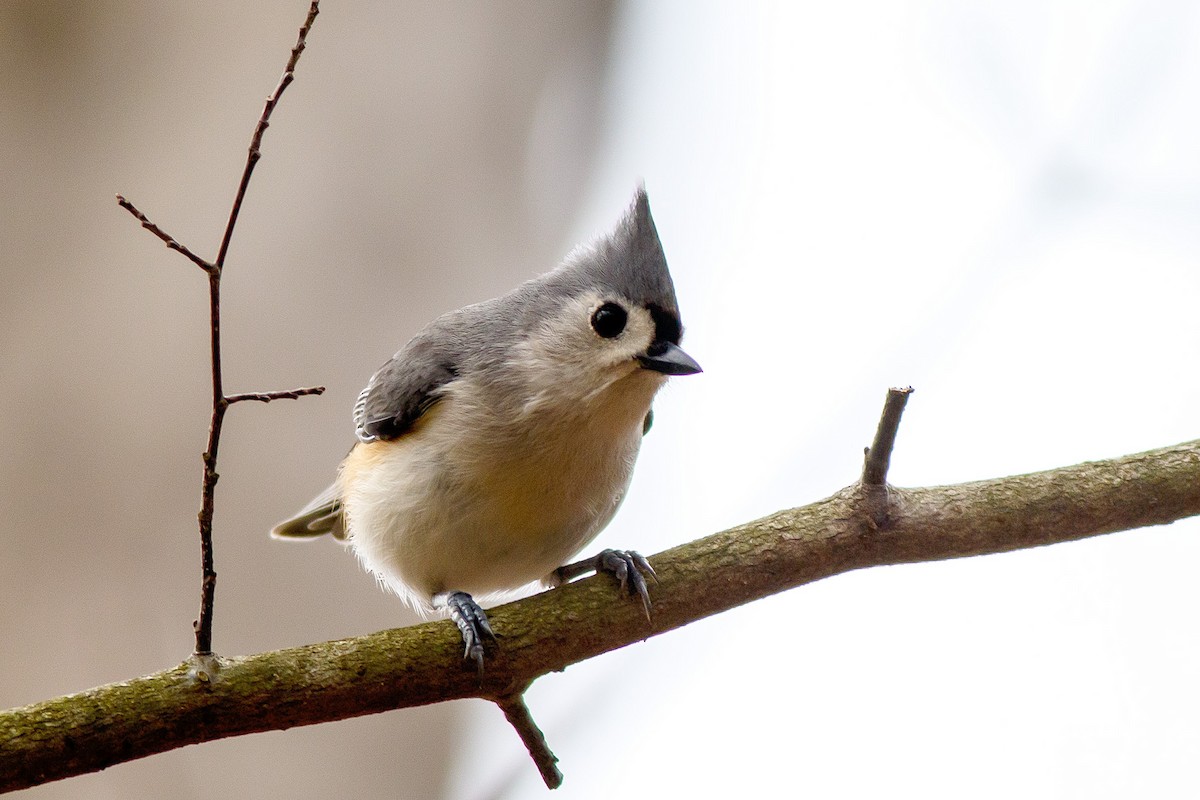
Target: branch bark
[212, 698]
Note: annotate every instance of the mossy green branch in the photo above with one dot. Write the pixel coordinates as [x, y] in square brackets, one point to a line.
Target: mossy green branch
[212, 699]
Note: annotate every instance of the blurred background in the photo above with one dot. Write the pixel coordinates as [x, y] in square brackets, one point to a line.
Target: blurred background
[997, 203]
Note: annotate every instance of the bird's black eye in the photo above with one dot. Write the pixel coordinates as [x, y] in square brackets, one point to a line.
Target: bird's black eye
[609, 320]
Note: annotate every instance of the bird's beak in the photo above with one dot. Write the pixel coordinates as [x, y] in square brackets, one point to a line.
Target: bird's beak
[669, 359]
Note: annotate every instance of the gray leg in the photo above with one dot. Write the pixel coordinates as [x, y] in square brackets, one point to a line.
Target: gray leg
[627, 565]
[472, 623]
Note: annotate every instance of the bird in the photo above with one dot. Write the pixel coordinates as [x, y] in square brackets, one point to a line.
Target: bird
[501, 439]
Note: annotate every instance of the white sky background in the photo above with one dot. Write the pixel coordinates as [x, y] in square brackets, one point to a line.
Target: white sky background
[998, 204]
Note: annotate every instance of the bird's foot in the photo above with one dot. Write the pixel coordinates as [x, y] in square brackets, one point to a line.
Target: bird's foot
[628, 566]
[472, 623]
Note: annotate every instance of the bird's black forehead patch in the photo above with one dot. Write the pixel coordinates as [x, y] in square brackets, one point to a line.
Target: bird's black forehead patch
[667, 327]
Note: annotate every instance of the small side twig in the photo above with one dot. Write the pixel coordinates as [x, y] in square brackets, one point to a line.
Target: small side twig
[266, 397]
[222, 401]
[517, 714]
[877, 457]
[160, 233]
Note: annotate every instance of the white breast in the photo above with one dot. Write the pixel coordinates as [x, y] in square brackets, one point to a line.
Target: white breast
[469, 501]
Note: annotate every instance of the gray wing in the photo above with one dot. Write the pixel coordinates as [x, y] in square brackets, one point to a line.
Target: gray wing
[407, 385]
[395, 397]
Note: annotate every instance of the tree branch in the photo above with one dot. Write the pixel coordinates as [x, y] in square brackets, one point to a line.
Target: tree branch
[550, 631]
[517, 714]
[220, 401]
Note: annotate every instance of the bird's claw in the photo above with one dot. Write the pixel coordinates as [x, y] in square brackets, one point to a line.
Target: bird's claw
[472, 623]
[628, 566]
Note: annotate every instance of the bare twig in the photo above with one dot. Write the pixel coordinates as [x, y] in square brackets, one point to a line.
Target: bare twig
[220, 401]
[208, 581]
[266, 397]
[550, 631]
[166, 237]
[517, 714]
[264, 120]
[878, 456]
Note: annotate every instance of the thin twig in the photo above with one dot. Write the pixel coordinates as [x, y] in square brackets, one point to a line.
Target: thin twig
[289, 75]
[517, 714]
[266, 397]
[878, 456]
[220, 402]
[166, 237]
[208, 585]
[208, 582]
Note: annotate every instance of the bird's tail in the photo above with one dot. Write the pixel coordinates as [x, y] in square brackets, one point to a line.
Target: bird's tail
[321, 516]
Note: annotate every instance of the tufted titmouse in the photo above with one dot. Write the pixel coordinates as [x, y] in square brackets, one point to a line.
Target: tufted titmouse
[501, 439]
